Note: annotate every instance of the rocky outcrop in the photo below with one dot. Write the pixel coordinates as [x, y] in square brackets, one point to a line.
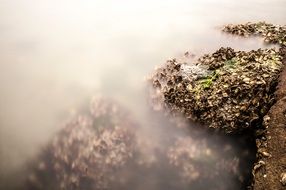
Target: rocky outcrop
[228, 90]
[270, 170]
[232, 91]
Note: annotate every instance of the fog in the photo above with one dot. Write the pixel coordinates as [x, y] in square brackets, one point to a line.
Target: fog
[55, 55]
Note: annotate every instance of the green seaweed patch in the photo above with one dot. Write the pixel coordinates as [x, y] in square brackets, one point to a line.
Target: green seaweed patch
[231, 64]
[206, 82]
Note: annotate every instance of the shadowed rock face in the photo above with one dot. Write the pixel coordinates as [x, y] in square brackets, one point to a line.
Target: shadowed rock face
[269, 172]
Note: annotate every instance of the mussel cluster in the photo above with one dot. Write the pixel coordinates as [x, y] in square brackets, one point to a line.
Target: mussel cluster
[227, 90]
[87, 152]
[271, 33]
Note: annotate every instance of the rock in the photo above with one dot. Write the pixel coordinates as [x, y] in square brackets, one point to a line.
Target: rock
[227, 90]
[271, 33]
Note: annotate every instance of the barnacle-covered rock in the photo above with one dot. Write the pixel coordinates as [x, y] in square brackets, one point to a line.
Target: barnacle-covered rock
[87, 152]
[271, 33]
[227, 90]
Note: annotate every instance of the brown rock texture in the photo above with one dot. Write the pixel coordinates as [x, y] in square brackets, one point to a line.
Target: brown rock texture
[269, 171]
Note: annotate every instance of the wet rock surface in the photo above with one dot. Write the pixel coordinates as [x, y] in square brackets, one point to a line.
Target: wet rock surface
[227, 90]
[271, 33]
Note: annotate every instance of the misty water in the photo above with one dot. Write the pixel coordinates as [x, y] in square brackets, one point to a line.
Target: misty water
[55, 55]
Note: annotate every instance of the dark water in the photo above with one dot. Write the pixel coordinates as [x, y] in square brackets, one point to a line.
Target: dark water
[54, 55]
